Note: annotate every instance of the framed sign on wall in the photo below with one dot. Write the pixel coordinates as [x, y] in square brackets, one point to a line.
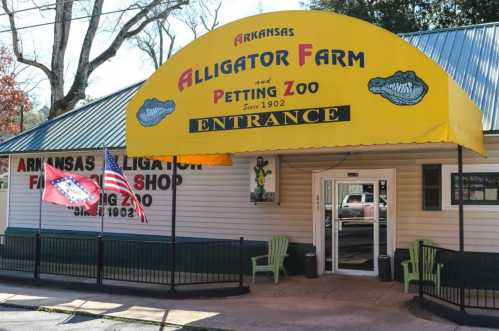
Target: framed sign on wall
[264, 179]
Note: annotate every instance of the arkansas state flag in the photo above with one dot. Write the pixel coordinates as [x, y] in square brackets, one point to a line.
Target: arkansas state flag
[72, 190]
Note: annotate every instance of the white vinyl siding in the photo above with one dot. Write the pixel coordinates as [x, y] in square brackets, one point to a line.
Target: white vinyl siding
[211, 203]
[3, 210]
[214, 202]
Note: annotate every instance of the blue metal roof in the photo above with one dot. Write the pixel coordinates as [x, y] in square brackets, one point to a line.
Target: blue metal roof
[469, 54]
[92, 126]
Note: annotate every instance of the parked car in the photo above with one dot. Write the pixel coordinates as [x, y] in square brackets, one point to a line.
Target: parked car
[361, 205]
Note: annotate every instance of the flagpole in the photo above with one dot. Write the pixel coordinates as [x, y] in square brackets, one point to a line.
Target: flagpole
[174, 200]
[41, 184]
[38, 237]
[102, 190]
[173, 237]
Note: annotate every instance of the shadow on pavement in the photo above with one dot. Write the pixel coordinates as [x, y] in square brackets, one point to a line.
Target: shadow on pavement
[77, 318]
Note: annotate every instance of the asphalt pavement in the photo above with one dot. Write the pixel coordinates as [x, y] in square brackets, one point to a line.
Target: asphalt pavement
[327, 303]
[15, 319]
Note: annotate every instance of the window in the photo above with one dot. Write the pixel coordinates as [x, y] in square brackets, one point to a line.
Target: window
[432, 187]
[354, 198]
[4, 172]
[479, 188]
[369, 197]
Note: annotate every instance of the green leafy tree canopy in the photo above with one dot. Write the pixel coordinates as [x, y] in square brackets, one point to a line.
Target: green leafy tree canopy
[401, 16]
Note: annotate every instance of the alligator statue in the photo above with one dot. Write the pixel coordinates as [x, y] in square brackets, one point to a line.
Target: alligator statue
[401, 88]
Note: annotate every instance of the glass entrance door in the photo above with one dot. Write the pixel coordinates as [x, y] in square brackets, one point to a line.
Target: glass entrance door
[353, 219]
[356, 226]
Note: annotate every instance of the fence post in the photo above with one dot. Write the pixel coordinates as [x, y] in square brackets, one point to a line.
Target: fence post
[100, 259]
[38, 253]
[461, 282]
[173, 264]
[420, 269]
[241, 267]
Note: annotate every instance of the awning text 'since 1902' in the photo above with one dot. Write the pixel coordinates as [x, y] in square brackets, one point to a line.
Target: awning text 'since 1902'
[298, 80]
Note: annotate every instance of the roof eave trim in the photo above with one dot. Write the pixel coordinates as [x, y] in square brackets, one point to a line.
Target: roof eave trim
[69, 113]
[59, 151]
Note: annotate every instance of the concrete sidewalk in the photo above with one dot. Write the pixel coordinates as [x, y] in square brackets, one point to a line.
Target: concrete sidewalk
[297, 303]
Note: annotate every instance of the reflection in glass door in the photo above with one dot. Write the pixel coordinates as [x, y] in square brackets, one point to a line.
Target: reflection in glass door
[383, 216]
[328, 224]
[356, 226]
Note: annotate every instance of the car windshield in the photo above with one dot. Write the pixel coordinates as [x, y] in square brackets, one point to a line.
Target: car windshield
[354, 198]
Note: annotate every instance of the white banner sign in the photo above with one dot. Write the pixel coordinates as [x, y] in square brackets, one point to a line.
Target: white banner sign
[264, 174]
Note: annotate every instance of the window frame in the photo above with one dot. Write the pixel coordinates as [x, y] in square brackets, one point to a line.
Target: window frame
[424, 186]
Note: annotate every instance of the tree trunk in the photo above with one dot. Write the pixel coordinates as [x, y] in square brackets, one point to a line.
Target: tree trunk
[62, 26]
[60, 102]
[57, 93]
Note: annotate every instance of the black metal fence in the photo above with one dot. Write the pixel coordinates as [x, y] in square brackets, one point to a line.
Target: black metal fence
[464, 279]
[102, 259]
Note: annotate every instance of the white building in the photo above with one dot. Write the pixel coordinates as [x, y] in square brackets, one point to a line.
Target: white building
[413, 186]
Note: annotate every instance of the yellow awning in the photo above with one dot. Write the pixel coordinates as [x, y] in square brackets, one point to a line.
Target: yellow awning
[298, 80]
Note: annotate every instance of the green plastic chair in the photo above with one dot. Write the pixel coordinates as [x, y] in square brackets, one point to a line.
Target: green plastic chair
[411, 267]
[277, 248]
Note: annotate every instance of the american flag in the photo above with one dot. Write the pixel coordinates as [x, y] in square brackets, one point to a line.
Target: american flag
[115, 180]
